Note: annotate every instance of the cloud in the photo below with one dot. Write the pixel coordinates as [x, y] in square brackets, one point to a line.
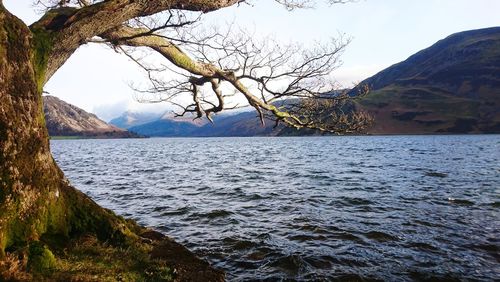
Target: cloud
[108, 112]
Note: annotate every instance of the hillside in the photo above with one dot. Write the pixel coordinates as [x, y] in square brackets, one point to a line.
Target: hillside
[165, 128]
[165, 125]
[63, 119]
[450, 87]
[239, 124]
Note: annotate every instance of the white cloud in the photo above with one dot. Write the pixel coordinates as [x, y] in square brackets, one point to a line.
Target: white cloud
[108, 112]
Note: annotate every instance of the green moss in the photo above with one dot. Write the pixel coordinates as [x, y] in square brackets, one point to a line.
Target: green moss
[43, 41]
[41, 113]
[279, 113]
[40, 258]
[181, 60]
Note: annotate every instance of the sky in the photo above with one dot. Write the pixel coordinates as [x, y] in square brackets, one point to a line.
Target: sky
[383, 32]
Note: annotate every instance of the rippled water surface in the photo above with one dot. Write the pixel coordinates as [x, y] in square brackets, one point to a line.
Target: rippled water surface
[390, 208]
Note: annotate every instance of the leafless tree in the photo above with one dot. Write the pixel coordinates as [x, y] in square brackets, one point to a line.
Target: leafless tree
[215, 66]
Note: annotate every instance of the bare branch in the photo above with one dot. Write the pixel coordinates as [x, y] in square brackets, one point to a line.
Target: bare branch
[293, 76]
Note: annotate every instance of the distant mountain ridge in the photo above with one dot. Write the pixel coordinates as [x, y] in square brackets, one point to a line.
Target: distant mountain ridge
[237, 124]
[130, 119]
[63, 119]
[451, 87]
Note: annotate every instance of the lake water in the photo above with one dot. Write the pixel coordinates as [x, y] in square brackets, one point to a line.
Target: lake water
[389, 208]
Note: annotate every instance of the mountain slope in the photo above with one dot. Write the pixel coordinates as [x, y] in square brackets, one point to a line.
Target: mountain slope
[63, 119]
[165, 128]
[130, 119]
[240, 124]
[450, 87]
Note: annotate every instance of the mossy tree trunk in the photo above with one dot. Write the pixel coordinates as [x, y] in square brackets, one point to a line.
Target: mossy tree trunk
[35, 198]
[37, 204]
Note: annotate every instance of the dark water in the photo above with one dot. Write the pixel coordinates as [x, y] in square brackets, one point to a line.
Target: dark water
[390, 208]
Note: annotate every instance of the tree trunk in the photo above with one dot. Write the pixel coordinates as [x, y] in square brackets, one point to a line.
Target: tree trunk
[36, 200]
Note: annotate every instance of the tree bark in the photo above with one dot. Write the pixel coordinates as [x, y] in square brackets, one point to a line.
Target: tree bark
[37, 203]
[65, 29]
[36, 200]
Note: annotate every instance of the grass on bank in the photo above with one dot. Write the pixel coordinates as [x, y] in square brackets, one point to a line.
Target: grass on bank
[67, 137]
[88, 259]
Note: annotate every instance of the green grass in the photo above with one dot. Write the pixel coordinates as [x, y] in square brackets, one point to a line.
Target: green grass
[433, 100]
[88, 259]
[67, 137]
